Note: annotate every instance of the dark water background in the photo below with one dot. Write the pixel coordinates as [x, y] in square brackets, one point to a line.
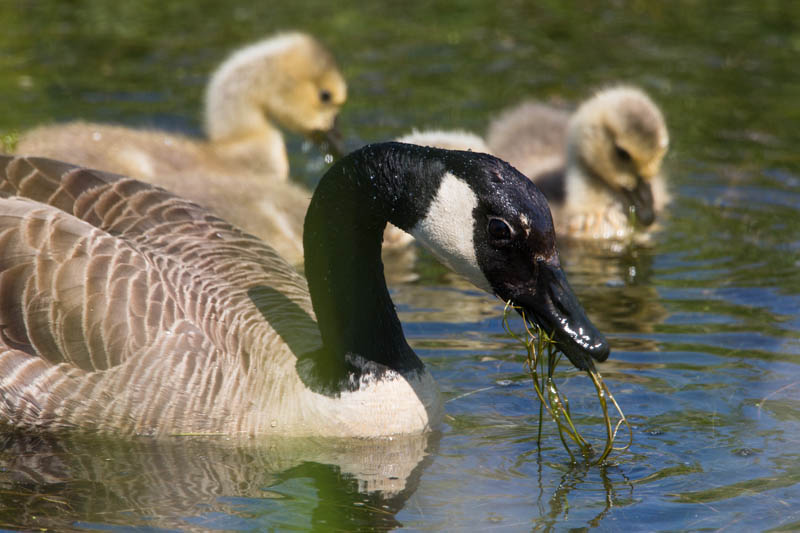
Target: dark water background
[705, 323]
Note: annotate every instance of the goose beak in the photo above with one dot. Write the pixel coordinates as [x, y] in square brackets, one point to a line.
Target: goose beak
[640, 200]
[330, 141]
[557, 310]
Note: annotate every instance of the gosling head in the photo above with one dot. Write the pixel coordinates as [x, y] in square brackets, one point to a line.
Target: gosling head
[620, 138]
[491, 224]
[290, 78]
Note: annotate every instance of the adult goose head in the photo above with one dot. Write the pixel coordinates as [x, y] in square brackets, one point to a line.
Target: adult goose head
[476, 214]
[128, 309]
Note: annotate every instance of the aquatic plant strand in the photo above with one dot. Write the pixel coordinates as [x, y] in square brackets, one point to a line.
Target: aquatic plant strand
[542, 359]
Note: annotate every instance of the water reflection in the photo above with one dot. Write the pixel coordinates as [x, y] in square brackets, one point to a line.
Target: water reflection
[201, 483]
[63, 482]
[556, 508]
[615, 282]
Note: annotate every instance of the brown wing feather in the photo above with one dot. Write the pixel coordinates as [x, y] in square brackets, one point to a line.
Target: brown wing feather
[64, 279]
[108, 285]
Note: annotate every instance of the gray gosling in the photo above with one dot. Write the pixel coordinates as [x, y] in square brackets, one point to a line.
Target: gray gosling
[599, 167]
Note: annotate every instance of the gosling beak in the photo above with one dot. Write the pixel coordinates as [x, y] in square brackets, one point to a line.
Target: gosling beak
[330, 141]
[640, 200]
[557, 310]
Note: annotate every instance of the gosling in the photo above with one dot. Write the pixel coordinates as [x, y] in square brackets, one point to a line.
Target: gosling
[599, 167]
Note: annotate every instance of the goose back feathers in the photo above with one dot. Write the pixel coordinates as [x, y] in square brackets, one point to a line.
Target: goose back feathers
[126, 307]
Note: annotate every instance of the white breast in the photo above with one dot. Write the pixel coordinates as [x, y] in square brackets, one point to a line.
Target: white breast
[392, 405]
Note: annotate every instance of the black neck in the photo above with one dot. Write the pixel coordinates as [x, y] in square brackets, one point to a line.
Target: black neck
[342, 240]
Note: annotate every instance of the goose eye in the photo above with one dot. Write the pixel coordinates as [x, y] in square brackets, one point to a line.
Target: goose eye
[325, 96]
[622, 153]
[498, 229]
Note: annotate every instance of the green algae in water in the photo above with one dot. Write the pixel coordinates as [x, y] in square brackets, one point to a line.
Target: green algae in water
[541, 361]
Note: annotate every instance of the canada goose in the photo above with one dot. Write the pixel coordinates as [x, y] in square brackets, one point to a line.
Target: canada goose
[596, 166]
[128, 309]
[290, 79]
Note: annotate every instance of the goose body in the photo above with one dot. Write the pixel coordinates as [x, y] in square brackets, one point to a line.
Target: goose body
[289, 79]
[128, 309]
[597, 166]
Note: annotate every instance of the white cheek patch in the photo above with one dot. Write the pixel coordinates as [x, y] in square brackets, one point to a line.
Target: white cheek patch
[448, 228]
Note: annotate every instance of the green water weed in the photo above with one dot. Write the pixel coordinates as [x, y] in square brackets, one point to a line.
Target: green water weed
[541, 360]
[8, 141]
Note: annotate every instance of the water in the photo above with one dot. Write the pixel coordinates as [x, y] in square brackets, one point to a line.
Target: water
[704, 323]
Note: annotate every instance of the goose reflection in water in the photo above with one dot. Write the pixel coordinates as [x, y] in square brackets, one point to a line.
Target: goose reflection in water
[63, 482]
[71, 482]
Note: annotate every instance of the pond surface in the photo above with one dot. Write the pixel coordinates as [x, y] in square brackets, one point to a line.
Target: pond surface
[704, 323]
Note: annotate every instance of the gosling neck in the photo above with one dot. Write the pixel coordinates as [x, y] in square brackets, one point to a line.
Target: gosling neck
[262, 152]
[585, 190]
[237, 124]
[360, 330]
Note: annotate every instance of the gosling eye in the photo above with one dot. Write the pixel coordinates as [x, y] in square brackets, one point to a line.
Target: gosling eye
[499, 231]
[622, 154]
[325, 96]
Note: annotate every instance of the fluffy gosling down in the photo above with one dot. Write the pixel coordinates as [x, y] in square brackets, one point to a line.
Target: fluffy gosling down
[240, 172]
[447, 140]
[599, 167]
[289, 79]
